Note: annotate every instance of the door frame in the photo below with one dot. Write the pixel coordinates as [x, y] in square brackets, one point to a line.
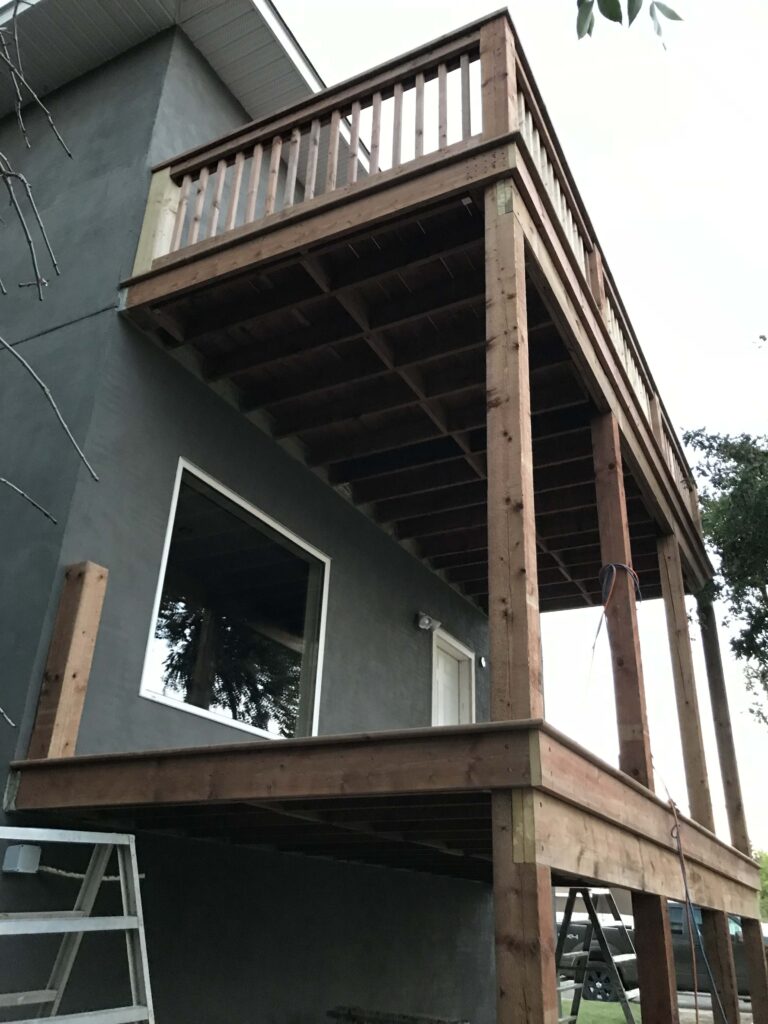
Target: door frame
[466, 658]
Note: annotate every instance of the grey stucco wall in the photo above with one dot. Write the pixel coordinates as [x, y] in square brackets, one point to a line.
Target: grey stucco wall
[237, 936]
[91, 206]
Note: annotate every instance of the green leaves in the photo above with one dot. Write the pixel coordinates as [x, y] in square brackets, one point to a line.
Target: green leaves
[585, 19]
[667, 12]
[613, 10]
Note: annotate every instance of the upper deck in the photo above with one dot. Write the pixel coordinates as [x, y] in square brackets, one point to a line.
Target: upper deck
[326, 269]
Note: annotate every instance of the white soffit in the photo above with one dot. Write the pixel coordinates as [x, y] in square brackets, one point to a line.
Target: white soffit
[246, 42]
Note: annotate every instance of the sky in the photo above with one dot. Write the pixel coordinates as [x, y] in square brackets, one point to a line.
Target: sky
[669, 149]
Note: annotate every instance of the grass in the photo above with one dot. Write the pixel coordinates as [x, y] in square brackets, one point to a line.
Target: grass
[602, 1013]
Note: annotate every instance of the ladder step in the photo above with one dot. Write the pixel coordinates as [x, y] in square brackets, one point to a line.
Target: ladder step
[121, 1015]
[632, 993]
[571, 958]
[569, 986]
[567, 1020]
[41, 995]
[600, 892]
[58, 924]
[623, 958]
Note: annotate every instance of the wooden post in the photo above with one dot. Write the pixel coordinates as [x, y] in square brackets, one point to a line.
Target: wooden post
[65, 681]
[499, 82]
[694, 759]
[524, 932]
[754, 947]
[596, 277]
[513, 609]
[715, 933]
[655, 961]
[621, 612]
[159, 220]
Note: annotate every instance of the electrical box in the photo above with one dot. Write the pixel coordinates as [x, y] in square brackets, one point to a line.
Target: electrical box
[21, 860]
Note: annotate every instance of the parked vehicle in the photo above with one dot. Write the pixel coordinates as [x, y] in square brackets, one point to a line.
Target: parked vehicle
[598, 983]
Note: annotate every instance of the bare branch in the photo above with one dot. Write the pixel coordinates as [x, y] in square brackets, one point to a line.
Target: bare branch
[17, 73]
[31, 501]
[47, 392]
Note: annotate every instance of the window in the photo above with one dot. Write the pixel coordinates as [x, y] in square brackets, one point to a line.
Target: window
[238, 627]
[453, 681]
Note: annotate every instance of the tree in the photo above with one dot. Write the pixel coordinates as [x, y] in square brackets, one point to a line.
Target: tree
[733, 470]
[614, 10]
[762, 859]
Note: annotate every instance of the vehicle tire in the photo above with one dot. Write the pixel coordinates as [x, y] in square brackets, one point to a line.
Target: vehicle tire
[599, 984]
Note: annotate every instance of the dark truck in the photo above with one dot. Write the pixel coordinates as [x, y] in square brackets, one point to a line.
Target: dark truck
[598, 983]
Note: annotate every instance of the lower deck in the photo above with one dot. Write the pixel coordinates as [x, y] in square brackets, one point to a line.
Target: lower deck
[418, 799]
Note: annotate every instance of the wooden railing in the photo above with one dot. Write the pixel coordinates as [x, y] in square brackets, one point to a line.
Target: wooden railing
[402, 115]
[438, 102]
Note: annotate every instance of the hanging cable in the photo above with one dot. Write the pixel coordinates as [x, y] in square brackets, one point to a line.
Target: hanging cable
[607, 581]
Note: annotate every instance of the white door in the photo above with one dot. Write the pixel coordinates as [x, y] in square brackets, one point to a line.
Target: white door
[453, 679]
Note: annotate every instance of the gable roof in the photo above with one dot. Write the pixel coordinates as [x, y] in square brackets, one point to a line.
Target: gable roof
[246, 42]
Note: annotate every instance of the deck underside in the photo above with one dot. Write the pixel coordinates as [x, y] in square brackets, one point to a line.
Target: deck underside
[419, 800]
[369, 352]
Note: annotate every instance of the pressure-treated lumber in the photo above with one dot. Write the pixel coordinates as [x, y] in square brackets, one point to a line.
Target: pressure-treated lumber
[513, 615]
[499, 84]
[65, 681]
[524, 922]
[621, 612]
[754, 954]
[718, 946]
[726, 748]
[694, 758]
[655, 962]
[715, 933]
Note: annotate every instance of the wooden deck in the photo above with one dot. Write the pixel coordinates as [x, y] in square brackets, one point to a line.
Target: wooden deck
[325, 271]
[419, 799]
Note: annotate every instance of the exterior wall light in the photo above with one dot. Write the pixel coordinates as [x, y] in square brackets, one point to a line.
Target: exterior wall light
[426, 622]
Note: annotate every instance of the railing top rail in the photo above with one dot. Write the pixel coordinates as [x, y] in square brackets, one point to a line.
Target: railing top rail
[374, 79]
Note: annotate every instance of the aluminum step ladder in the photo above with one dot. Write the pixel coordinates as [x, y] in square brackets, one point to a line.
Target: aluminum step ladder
[72, 924]
[578, 959]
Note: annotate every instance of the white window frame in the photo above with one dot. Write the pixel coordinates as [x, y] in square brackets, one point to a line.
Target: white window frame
[185, 465]
[466, 657]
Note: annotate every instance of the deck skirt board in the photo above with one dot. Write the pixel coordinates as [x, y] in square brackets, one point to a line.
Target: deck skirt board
[419, 799]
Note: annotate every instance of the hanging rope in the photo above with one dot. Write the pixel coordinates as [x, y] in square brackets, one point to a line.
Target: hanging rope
[607, 581]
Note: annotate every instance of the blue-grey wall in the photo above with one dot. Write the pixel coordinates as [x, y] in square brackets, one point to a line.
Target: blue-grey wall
[234, 935]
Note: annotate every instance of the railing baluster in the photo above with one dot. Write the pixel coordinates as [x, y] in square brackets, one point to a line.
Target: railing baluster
[397, 126]
[375, 133]
[442, 106]
[253, 183]
[181, 212]
[354, 144]
[419, 144]
[274, 173]
[466, 107]
[234, 195]
[213, 217]
[197, 216]
[312, 155]
[333, 152]
[293, 166]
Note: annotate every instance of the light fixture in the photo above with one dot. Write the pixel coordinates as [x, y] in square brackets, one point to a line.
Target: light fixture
[426, 622]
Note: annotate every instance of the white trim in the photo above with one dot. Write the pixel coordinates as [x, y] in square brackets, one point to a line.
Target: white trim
[286, 39]
[148, 694]
[466, 656]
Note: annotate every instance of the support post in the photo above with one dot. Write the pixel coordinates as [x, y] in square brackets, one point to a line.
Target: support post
[513, 608]
[653, 939]
[715, 932]
[524, 929]
[754, 946]
[499, 80]
[65, 681]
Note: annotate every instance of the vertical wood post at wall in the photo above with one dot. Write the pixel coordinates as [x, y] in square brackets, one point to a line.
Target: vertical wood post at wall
[754, 947]
[522, 889]
[715, 931]
[655, 963]
[65, 680]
